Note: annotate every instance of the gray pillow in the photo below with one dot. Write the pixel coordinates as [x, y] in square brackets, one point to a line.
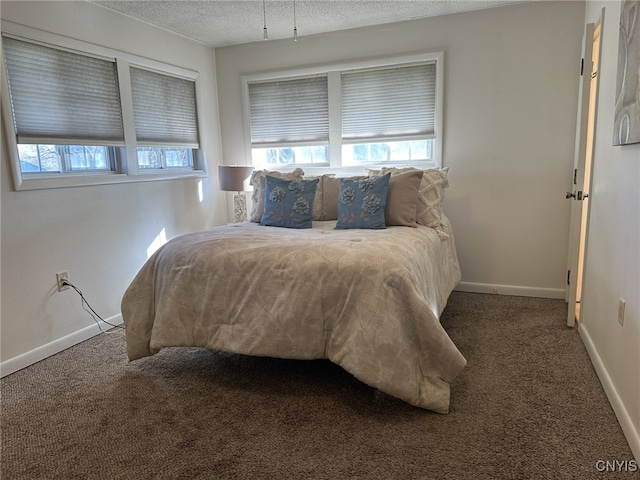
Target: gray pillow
[402, 201]
[430, 193]
[318, 202]
[330, 195]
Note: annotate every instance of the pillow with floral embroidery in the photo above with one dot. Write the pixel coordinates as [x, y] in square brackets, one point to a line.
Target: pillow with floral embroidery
[288, 203]
[257, 181]
[362, 202]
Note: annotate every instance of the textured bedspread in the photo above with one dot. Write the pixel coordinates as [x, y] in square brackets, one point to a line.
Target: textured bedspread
[368, 300]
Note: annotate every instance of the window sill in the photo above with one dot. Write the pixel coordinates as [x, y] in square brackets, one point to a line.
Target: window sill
[43, 181]
[313, 170]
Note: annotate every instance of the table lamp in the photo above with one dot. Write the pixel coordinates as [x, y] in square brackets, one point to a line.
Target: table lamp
[231, 179]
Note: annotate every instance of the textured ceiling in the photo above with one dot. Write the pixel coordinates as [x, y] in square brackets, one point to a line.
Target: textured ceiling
[229, 22]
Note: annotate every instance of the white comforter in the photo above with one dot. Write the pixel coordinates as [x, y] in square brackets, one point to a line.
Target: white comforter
[368, 300]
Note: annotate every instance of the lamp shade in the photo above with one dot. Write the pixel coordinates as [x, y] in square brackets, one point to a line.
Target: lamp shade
[232, 177]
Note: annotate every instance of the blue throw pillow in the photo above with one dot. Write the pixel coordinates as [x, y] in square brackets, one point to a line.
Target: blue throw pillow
[362, 202]
[288, 203]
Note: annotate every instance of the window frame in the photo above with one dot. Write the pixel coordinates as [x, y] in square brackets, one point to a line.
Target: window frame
[125, 158]
[333, 72]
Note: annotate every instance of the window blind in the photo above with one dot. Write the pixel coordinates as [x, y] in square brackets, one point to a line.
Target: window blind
[60, 97]
[387, 103]
[289, 111]
[164, 108]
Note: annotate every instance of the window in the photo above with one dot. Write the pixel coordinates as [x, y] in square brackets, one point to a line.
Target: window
[164, 109]
[38, 158]
[164, 157]
[388, 114]
[343, 116]
[60, 101]
[79, 117]
[290, 121]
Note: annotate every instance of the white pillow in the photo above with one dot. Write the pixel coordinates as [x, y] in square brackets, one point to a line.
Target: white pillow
[430, 195]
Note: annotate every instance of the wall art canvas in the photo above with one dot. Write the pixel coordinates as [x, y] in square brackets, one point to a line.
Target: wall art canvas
[626, 126]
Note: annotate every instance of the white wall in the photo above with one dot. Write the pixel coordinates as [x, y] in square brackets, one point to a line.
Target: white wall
[100, 234]
[511, 79]
[612, 267]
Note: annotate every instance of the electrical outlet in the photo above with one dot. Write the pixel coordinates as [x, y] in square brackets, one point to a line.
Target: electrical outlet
[60, 276]
[621, 306]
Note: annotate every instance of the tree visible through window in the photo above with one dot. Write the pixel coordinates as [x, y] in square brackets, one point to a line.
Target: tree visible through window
[36, 158]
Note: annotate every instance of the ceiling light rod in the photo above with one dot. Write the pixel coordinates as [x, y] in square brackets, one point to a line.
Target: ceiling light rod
[295, 28]
[265, 36]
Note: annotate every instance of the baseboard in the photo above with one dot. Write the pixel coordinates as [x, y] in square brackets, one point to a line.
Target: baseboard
[515, 290]
[29, 358]
[628, 428]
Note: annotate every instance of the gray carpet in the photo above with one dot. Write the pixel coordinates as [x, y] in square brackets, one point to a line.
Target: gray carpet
[528, 406]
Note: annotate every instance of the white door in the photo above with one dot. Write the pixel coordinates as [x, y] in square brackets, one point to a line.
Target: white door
[581, 180]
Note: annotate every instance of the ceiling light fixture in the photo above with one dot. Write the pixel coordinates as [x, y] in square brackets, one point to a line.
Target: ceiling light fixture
[265, 36]
[295, 28]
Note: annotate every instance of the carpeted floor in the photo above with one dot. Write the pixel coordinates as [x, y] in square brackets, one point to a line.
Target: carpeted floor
[528, 406]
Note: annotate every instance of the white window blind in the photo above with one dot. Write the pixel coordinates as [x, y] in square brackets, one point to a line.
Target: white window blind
[389, 103]
[164, 108]
[289, 111]
[61, 97]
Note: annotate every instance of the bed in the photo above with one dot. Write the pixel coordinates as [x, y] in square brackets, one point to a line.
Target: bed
[367, 300]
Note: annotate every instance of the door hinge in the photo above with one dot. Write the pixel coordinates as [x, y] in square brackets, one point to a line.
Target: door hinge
[575, 176]
[582, 67]
[568, 277]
